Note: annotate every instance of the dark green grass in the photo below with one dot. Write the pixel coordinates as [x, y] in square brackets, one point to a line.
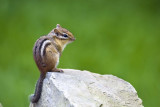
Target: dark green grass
[112, 37]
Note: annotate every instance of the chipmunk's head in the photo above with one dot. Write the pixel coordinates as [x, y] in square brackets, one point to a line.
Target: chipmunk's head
[62, 34]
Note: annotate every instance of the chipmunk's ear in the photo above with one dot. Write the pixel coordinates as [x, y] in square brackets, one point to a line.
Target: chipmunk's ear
[58, 26]
[56, 31]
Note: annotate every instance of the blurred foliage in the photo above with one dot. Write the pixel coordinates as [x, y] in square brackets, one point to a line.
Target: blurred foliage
[119, 37]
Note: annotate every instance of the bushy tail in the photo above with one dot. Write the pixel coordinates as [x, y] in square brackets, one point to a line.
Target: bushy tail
[34, 98]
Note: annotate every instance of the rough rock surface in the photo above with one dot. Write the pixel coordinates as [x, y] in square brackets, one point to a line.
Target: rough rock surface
[75, 88]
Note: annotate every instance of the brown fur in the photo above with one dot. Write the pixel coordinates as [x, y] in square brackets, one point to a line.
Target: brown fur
[52, 51]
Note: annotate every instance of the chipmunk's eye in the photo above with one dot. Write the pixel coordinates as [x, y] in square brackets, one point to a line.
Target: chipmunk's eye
[65, 35]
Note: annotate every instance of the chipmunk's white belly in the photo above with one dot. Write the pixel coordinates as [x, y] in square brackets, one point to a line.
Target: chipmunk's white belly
[57, 62]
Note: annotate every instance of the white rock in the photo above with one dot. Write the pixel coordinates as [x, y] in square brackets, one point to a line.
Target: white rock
[75, 88]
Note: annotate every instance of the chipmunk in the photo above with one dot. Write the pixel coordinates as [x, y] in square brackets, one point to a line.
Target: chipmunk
[47, 51]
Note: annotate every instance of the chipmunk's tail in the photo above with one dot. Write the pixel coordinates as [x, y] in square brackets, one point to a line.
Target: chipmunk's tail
[34, 98]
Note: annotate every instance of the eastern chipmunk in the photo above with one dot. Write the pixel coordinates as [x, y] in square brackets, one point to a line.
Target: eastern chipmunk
[46, 52]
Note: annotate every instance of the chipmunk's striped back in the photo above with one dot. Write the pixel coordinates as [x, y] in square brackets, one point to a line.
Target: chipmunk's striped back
[39, 50]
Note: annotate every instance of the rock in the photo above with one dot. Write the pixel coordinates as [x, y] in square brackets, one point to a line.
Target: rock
[1, 105]
[75, 88]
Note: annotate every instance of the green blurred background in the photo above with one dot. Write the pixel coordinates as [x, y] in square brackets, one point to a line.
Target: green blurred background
[119, 37]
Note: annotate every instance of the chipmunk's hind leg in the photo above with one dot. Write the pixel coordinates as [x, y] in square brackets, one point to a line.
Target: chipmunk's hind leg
[56, 70]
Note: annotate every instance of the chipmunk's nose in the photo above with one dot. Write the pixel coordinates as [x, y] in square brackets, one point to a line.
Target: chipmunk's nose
[73, 39]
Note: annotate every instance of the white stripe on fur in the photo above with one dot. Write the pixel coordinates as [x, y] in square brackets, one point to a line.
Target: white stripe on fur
[43, 45]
